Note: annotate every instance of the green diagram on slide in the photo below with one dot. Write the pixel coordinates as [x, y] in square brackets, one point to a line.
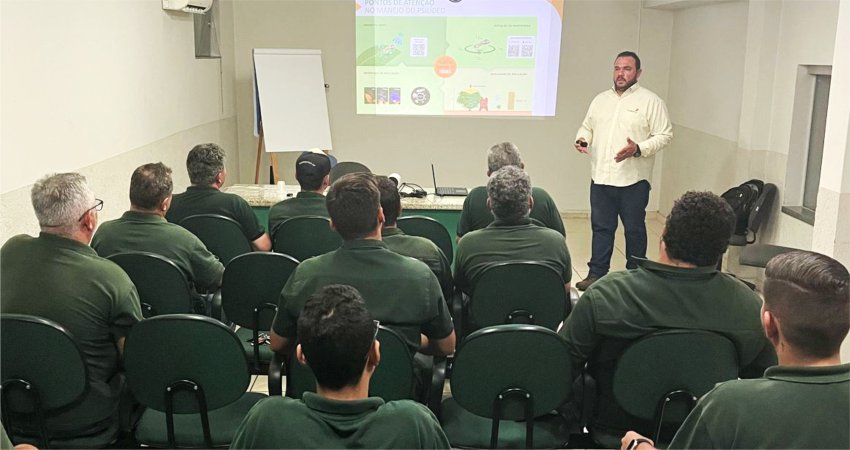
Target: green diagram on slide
[445, 65]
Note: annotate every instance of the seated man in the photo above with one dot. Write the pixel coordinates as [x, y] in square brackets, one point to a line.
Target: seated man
[143, 229]
[205, 164]
[312, 172]
[476, 215]
[414, 246]
[512, 236]
[59, 277]
[683, 290]
[802, 402]
[399, 291]
[337, 340]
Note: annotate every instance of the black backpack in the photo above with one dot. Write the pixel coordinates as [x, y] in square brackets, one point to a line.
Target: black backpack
[742, 199]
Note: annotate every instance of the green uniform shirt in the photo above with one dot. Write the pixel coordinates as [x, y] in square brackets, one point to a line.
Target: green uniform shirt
[399, 291]
[305, 203]
[209, 200]
[65, 281]
[318, 422]
[515, 241]
[791, 407]
[476, 215]
[624, 306]
[422, 249]
[140, 232]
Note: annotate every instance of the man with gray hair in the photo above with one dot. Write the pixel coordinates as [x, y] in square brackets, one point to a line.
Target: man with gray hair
[207, 173]
[476, 215]
[57, 276]
[143, 229]
[512, 236]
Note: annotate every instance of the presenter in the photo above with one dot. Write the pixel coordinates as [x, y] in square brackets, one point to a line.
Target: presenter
[624, 128]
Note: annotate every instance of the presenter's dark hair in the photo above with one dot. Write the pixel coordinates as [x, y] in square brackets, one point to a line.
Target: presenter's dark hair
[390, 200]
[335, 331]
[353, 203]
[204, 163]
[809, 293]
[698, 228]
[150, 185]
[628, 54]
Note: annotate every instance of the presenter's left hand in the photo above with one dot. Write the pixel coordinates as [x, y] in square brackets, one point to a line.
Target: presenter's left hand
[627, 151]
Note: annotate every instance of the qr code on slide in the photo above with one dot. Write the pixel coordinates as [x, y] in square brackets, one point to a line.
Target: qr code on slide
[520, 47]
[418, 46]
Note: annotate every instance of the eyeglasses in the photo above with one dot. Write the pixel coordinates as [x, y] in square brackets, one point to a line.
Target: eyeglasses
[98, 205]
[377, 324]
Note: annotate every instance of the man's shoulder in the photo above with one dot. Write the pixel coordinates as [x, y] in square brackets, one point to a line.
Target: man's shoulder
[538, 193]
[18, 241]
[405, 410]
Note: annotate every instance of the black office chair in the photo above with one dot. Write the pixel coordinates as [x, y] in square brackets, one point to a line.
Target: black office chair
[162, 286]
[304, 237]
[191, 373]
[660, 377]
[517, 292]
[345, 168]
[758, 255]
[432, 230]
[43, 373]
[759, 214]
[505, 381]
[250, 290]
[393, 378]
[221, 235]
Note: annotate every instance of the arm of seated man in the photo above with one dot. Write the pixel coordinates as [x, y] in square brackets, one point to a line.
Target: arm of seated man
[279, 344]
[262, 243]
[437, 347]
[634, 441]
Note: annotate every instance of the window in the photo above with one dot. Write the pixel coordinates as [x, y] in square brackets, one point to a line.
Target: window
[805, 153]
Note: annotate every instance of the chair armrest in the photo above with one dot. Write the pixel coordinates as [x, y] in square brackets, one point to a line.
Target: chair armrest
[456, 309]
[275, 381]
[573, 297]
[216, 311]
[438, 382]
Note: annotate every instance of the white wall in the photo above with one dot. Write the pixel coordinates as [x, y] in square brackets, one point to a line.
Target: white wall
[594, 32]
[100, 85]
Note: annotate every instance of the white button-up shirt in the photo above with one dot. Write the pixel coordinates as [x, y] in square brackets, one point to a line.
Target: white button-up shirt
[637, 114]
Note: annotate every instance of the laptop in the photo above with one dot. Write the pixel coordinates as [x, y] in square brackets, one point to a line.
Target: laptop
[442, 191]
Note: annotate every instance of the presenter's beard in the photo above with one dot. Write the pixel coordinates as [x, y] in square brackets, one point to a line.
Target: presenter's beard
[624, 88]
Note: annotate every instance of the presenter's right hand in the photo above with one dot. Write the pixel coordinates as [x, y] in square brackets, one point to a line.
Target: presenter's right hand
[579, 147]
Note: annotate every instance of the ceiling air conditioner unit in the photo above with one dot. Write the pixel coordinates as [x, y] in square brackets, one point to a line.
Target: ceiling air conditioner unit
[189, 6]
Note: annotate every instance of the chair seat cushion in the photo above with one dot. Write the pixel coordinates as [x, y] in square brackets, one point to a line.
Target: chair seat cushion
[468, 430]
[245, 335]
[153, 431]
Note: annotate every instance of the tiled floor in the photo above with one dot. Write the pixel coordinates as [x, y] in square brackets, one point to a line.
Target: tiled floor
[579, 244]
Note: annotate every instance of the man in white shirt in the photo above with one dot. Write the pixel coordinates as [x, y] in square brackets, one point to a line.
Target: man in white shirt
[625, 126]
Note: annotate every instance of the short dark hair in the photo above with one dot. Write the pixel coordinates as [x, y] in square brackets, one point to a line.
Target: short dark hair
[335, 331]
[204, 162]
[698, 228]
[353, 203]
[390, 200]
[150, 185]
[509, 189]
[630, 54]
[809, 293]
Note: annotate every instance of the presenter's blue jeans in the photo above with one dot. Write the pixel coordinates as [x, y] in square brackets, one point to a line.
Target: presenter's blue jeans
[607, 203]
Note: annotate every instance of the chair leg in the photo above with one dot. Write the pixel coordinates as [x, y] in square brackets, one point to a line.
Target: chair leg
[191, 386]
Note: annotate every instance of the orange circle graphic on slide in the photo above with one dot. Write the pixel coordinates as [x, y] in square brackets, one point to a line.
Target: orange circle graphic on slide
[445, 66]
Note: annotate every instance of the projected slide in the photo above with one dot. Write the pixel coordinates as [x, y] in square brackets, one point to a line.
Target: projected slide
[458, 57]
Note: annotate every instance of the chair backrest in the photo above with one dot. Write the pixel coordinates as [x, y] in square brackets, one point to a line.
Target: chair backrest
[163, 287]
[304, 237]
[44, 354]
[345, 168]
[496, 361]
[519, 292]
[221, 235]
[667, 361]
[431, 229]
[393, 379]
[162, 351]
[251, 286]
[761, 209]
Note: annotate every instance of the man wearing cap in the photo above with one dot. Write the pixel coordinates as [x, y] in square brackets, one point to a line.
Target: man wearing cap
[312, 172]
